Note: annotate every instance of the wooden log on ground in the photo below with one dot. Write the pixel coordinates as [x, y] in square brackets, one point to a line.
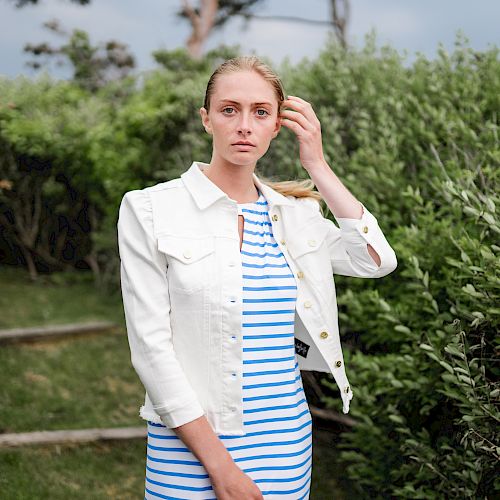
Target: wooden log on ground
[70, 436]
[51, 331]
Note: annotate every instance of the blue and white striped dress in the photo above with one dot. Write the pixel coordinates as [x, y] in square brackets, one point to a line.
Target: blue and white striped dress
[276, 450]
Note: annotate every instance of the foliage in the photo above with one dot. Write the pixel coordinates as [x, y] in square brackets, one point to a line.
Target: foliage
[43, 140]
[93, 65]
[425, 376]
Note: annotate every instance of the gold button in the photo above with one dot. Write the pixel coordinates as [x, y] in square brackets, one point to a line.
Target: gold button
[312, 243]
[283, 242]
[275, 217]
[338, 363]
[307, 304]
[187, 254]
[300, 274]
[365, 229]
[346, 389]
[323, 335]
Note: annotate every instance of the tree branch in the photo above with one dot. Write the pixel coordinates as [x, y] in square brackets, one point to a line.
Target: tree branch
[287, 19]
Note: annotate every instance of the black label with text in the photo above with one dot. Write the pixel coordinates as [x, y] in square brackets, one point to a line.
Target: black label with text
[301, 348]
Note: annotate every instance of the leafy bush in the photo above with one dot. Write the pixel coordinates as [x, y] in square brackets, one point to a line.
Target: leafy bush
[420, 147]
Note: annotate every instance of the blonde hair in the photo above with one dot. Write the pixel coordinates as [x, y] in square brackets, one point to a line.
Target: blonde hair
[296, 188]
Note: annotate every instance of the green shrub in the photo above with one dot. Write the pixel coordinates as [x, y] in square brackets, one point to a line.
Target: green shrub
[420, 147]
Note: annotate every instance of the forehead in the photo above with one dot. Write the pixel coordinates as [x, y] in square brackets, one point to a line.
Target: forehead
[246, 87]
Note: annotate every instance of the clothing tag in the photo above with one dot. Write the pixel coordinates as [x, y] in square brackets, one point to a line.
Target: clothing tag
[301, 348]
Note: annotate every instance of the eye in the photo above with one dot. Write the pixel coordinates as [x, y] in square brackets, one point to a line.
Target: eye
[228, 107]
[265, 111]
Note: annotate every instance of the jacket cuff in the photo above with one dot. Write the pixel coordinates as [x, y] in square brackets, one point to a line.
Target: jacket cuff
[358, 230]
[180, 415]
[357, 233]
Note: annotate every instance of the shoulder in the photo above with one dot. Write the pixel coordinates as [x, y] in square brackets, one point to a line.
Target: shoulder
[142, 196]
[303, 212]
[307, 203]
[140, 201]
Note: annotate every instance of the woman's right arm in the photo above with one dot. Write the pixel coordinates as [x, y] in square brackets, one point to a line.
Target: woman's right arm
[146, 305]
[229, 482]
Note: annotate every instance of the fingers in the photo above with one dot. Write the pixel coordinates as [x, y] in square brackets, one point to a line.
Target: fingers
[302, 107]
[298, 118]
[294, 126]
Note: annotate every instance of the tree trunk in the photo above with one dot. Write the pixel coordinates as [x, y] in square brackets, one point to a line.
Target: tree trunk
[29, 262]
[340, 19]
[202, 23]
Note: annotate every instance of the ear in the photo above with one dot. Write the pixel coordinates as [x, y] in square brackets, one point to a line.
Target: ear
[205, 120]
[277, 127]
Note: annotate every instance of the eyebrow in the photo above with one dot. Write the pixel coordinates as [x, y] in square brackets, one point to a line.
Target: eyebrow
[236, 102]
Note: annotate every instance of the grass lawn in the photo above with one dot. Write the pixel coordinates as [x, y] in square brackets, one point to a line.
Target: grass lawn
[104, 470]
[53, 300]
[115, 469]
[81, 382]
[70, 383]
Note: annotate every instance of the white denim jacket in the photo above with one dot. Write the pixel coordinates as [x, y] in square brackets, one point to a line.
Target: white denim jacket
[181, 281]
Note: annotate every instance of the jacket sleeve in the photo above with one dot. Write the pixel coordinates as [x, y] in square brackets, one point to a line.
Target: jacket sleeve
[347, 245]
[146, 305]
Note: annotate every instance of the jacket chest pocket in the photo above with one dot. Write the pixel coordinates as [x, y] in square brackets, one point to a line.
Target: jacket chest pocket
[190, 261]
[308, 247]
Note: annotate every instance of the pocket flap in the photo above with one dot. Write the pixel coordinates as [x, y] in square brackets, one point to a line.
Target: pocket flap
[307, 239]
[187, 249]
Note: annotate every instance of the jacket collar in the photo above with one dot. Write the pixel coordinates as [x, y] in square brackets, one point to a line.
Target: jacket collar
[205, 192]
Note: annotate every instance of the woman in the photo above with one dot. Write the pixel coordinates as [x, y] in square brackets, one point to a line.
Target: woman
[228, 292]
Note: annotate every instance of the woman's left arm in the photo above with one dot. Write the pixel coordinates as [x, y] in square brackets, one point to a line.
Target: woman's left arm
[358, 226]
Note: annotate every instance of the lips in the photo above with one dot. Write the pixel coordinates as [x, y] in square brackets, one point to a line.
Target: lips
[243, 143]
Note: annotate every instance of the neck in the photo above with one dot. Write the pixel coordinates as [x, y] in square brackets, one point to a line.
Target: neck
[235, 180]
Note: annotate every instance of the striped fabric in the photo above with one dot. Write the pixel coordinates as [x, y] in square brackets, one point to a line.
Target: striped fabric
[276, 451]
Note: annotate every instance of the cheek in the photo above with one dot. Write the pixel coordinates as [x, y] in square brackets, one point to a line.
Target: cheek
[268, 128]
[220, 131]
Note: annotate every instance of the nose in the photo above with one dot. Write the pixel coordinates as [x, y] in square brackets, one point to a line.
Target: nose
[244, 124]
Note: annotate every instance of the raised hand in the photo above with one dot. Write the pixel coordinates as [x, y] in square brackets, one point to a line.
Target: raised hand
[302, 120]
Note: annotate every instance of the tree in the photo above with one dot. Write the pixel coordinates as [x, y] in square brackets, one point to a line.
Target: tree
[211, 14]
[340, 10]
[339, 19]
[93, 66]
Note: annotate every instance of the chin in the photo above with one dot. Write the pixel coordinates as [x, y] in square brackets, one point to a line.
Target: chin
[243, 157]
[242, 162]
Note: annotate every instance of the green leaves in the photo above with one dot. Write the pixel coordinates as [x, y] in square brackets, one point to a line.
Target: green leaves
[420, 147]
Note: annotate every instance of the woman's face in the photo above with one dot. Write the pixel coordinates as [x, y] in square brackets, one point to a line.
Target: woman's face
[243, 107]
